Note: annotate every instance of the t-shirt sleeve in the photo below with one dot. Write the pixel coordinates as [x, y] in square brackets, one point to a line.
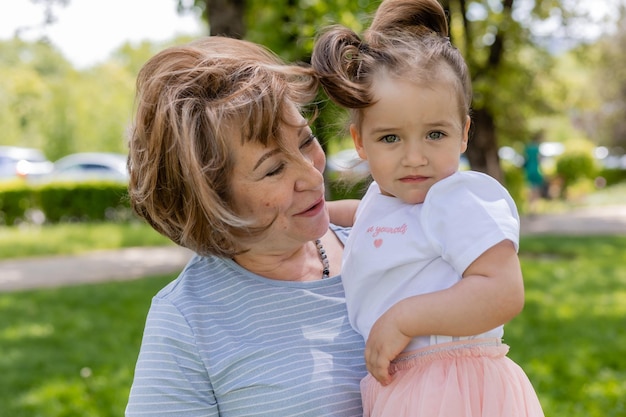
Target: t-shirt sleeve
[466, 214]
[170, 377]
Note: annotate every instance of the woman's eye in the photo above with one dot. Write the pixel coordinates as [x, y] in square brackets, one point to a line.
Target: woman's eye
[276, 170]
[390, 139]
[309, 141]
[435, 135]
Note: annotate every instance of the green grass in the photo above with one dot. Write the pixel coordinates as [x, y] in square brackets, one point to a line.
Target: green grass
[74, 238]
[71, 351]
[570, 338]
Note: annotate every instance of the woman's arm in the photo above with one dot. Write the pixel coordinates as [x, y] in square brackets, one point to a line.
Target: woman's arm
[170, 378]
[342, 212]
[490, 294]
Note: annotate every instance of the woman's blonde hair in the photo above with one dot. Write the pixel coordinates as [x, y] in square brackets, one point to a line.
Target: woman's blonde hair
[193, 101]
[407, 39]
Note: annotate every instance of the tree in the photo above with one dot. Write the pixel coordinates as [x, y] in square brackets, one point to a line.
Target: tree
[503, 59]
[611, 85]
[509, 63]
[224, 17]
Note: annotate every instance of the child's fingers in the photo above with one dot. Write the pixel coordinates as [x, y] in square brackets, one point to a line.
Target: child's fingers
[378, 366]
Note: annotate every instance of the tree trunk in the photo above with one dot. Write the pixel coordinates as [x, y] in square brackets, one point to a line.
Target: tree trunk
[226, 18]
[482, 149]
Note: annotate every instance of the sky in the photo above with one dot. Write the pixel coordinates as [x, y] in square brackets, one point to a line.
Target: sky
[88, 31]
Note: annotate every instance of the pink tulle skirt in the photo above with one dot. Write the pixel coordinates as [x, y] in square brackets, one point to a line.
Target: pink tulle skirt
[468, 378]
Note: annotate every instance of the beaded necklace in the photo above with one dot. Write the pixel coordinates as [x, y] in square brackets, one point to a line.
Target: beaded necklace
[324, 258]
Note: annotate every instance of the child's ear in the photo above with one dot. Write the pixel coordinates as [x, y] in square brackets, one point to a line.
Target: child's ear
[358, 141]
[466, 128]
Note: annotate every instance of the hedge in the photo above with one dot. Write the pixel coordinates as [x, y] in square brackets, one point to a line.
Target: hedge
[63, 202]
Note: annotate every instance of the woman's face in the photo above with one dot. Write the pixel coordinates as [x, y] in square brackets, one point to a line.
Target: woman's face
[268, 184]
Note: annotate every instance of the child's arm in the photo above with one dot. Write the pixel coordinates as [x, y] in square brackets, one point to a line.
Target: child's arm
[342, 212]
[490, 294]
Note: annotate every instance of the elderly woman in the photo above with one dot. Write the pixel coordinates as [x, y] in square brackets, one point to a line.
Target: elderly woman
[223, 162]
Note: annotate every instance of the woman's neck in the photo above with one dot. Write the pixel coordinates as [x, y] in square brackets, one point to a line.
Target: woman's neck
[300, 264]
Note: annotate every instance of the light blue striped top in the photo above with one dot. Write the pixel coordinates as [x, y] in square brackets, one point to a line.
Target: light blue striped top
[221, 341]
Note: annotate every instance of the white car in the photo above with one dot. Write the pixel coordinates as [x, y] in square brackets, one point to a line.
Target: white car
[90, 166]
[19, 162]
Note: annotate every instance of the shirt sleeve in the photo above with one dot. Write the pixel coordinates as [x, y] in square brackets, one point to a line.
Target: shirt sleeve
[466, 214]
[170, 377]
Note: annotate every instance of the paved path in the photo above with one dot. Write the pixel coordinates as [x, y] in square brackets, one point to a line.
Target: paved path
[98, 266]
[132, 263]
[603, 220]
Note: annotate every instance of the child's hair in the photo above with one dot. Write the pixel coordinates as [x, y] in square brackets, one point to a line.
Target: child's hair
[407, 39]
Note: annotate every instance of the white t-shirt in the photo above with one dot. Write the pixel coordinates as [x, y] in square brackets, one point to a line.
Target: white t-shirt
[397, 250]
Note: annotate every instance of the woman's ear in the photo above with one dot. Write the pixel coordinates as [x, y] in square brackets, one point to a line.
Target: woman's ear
[358, 142]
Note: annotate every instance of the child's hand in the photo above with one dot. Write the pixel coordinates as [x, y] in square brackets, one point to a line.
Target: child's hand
[385, 342]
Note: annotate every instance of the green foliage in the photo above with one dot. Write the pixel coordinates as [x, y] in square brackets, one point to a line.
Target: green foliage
[92, 201]
[15, 201]
[574, 166]
[515, 184]
[612, 176]
[63, 202]
[347, 188]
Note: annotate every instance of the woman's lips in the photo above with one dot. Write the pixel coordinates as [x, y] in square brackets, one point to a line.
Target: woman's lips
[314, 209]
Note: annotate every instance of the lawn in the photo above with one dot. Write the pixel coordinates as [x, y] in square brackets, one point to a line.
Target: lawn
[75, 238]
[71, 351]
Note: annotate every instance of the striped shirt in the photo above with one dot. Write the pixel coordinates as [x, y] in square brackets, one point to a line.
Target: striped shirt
[221, 341]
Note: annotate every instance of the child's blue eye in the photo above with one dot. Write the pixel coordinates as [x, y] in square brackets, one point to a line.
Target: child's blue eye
[435, 135]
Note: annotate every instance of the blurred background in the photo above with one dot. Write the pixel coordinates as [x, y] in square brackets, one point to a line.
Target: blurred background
[549, 122]
[553, 69]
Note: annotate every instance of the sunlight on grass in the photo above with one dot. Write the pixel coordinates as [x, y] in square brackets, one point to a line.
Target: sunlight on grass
[569, 339]
[74, 238]
[33, 330]
[71, 351]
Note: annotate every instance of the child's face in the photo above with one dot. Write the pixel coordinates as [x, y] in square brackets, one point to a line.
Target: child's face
[412, 137]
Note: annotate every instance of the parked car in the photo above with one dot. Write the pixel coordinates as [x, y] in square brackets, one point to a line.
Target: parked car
[90, 166]
[19, 162]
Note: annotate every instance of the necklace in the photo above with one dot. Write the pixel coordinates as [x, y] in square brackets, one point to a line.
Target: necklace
[324, 258]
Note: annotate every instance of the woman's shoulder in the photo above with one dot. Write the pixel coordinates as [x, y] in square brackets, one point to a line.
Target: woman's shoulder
[199, 270]
[341, 232]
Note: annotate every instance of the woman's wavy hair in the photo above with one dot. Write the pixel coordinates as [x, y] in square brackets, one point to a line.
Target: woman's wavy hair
[407, 39]
[192, 101]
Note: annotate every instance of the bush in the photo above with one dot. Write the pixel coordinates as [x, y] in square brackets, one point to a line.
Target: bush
[514, 182]
[60, 202]
[574, 166]
[82, 202]
[15, 201]
[612, 176]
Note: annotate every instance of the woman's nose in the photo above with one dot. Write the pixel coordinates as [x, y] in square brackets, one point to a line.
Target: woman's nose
[310, 174]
